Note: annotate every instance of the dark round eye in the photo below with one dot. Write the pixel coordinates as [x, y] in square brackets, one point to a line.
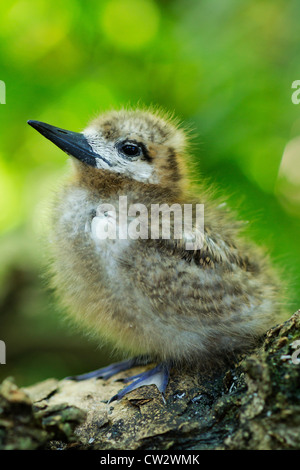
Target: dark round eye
[131, 150]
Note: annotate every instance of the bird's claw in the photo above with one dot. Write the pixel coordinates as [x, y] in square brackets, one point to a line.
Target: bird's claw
[105, 372]
[158, 376]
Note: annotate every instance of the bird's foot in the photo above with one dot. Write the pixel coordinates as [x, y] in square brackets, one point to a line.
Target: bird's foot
[107, 372]
[158, 376]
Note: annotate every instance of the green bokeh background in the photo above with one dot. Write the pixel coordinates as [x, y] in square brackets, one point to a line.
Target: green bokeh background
[225, 68]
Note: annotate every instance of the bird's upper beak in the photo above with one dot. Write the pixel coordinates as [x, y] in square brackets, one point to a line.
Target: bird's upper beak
[73, 143]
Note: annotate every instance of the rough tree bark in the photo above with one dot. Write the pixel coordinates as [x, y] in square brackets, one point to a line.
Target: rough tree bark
[254, 404]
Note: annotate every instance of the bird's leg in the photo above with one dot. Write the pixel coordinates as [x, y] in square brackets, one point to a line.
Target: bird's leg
[158, 376]
[112, 369]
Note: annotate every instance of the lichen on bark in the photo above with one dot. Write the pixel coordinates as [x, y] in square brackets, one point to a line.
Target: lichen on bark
[254, 404]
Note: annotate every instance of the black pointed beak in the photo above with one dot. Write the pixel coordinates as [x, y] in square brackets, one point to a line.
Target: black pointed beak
[73, 143]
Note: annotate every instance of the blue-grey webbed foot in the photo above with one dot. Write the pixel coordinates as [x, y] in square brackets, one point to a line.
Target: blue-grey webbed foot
[109, 371]
[158, 376]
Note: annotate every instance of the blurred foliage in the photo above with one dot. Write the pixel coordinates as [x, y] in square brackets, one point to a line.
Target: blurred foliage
[225, 68]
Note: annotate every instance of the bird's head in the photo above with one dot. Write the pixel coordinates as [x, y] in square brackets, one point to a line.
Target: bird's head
[137, 144]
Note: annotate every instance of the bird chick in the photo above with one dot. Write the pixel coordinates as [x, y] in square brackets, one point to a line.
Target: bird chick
[151, 297]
